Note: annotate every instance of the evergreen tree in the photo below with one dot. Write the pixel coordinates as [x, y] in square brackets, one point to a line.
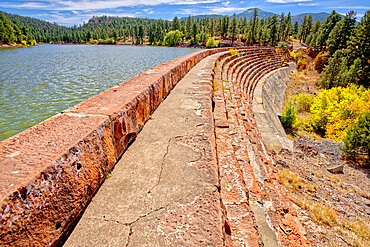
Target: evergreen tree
[241, 25]
[305, 28]
[219, 26]
[282, 26]
[359, 47]
[288, 26]
[176, 24]
[141, 34]
[194, 31]
[188, 27]
[225, 25]
[212, 27]
[11, 33]
[254, 24]
[273, 35]
[341, 33]
[325, 29]
[233, 29]
[335, 73]
[316, 27]
[295, 28]
[357, 140]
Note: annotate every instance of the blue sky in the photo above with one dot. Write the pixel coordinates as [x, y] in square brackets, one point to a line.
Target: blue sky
[74, 12]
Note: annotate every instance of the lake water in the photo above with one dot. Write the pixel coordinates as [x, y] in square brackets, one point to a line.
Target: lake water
[39, 82]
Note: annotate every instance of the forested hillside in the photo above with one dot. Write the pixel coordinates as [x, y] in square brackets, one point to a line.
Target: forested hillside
[11, 33]
[106, 29]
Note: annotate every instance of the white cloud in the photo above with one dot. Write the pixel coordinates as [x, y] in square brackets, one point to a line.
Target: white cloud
[351, 7]
[307, 4]
[187, 12]
[225, 10]
[61, 18]
[90, 5]
[148, 11]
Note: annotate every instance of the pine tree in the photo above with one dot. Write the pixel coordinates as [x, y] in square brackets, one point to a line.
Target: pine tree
[175, 24]
[254, 25]
[194, 31]
[335, 72]
[295, 28]
[282, 26]
[233, 29]
[359, 47]
[225, 25]
[357, 140]
[305, 28]
[325, 29]
[273, 35]
[288, 26]
[341, 33]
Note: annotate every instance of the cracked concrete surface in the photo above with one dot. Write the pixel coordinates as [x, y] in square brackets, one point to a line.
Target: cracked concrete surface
[164, 189]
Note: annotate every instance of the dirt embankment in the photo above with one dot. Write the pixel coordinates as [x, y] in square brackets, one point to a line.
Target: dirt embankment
[331, 195]
[333, 205]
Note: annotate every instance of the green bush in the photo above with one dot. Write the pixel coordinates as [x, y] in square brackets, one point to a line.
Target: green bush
[357, 140]
[211, 43]
[289, 116]
[173, 38]
[107, 41]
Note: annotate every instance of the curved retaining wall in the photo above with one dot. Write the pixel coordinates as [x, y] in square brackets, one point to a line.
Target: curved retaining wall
[257, 209]
[268, 103]
[49, 172]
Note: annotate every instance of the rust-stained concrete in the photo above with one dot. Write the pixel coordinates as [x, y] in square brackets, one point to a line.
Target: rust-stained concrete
[48, 174]
[164, 189]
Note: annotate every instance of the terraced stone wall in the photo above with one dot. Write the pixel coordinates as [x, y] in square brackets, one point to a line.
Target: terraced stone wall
[258, 211]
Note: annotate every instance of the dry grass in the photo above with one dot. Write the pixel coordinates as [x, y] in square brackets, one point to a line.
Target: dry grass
[292, 181]
[356, 232]
[323, 214]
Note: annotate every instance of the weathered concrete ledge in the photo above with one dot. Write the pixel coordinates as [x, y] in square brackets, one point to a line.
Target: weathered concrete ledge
[164, 191]
[50, 171]
[268, 103]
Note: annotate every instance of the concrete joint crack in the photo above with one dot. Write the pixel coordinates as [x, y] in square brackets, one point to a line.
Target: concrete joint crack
[162, 166]
[139, 218]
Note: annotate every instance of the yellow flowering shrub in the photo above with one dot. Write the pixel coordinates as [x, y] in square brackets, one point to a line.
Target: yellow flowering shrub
[334, 110]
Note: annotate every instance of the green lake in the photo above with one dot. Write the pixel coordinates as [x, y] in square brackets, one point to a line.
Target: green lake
[39, 82]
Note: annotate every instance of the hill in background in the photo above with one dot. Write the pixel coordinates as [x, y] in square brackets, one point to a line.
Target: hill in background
[265, 14]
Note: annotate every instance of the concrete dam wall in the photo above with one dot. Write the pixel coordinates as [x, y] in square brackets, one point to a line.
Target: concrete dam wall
[51, 171]
[268, 103]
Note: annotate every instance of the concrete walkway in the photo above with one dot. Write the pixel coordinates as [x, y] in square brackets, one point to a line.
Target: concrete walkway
[164, 191]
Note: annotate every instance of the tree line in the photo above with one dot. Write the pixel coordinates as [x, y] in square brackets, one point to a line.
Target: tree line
[11, 33]
[139, 30]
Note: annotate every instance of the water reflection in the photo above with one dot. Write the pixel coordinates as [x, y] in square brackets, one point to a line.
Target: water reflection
[39, 82]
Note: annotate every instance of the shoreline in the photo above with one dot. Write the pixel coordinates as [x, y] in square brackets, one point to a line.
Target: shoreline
[14, 46]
